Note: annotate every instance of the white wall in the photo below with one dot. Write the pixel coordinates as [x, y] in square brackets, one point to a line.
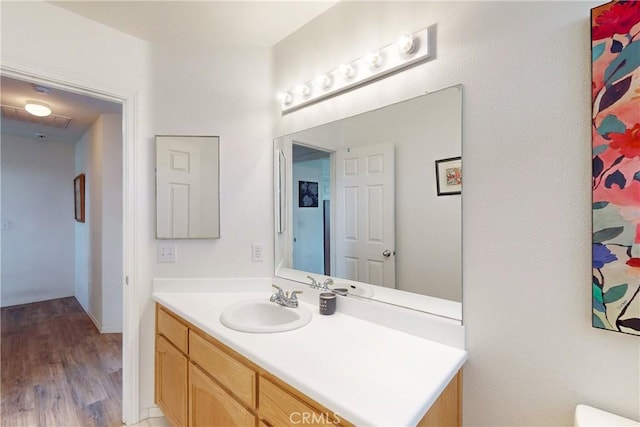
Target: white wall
[229, 96]
[112, 282]
[98, 257]
[307, 222]
[82, 244]
[37, 202]
[526, 216]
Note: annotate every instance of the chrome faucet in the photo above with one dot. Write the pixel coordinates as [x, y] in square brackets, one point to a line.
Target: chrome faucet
[324, 286]
[283, 298]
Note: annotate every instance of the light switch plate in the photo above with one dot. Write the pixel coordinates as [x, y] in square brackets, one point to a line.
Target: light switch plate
[257, 252]
[166, 252]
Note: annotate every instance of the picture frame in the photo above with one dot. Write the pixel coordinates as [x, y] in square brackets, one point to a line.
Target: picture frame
[615, 188]
[449, 176]
[78, 197]
[307, 194]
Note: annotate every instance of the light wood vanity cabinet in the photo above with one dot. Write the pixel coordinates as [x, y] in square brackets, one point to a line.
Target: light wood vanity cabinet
[200, 382]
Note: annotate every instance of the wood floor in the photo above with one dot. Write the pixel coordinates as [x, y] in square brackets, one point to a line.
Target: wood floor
[57, 370]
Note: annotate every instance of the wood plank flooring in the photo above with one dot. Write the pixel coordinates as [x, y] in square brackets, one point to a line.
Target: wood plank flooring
[57, 370]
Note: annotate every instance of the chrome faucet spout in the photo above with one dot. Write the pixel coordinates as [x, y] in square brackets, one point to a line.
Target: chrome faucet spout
[283, 298]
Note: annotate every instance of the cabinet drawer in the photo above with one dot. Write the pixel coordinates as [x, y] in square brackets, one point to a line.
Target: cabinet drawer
[235, 376]
[172, 329]
[279, 408]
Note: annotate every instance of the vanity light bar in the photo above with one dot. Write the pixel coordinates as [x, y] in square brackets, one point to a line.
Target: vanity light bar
[408, 50]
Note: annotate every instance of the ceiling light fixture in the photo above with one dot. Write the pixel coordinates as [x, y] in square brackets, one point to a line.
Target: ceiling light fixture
[325, 80]
[409, 49]
[348, 71]
[374, 59]
[305, 90]
[38, 109]
[406, 43]
[286, 98]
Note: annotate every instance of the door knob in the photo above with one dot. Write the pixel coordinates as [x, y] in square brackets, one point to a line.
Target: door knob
[386, 253]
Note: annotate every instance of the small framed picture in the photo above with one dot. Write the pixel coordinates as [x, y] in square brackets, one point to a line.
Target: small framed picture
[449, 176]
[307, 194]
[78, 197]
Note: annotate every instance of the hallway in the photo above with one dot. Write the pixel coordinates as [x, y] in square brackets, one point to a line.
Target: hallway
[57, 369]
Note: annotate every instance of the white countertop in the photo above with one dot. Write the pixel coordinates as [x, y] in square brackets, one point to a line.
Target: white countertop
[368, 374]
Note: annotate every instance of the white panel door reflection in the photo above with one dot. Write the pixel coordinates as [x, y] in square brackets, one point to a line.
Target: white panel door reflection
[365, 218]
[187, 187]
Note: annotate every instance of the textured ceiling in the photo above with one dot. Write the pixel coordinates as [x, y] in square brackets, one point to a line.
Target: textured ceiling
[228, 23]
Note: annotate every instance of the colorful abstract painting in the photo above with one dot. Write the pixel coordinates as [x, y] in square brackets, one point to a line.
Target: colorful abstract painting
[615, 121]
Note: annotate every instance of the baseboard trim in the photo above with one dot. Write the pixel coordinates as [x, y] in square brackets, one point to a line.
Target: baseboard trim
[94, 320]
[153, 412]
[111, 330]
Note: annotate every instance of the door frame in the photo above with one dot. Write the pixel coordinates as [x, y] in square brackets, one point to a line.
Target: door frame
[130, 327]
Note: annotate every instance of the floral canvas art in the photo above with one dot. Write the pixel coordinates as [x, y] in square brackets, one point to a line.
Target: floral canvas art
[615, 127]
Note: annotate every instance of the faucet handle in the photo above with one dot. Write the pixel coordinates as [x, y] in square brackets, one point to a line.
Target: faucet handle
[314, 284]
[327, 283]
[293, 300]
[278, 288]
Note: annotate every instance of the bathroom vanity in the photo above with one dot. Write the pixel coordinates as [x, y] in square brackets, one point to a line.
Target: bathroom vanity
[336, 370]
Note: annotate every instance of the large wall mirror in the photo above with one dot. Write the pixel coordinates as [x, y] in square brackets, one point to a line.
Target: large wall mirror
[358, 202]
[187, 187]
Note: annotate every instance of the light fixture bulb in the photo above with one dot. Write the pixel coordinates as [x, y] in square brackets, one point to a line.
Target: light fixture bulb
[348, 71]
[406, 43]
[38, 109]
[305, 90]
[374, 59]
[325, 80]
[286, 98]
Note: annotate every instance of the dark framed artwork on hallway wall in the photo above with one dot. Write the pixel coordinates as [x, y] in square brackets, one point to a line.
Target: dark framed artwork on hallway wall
[615, 130]
[78, 197]
[307, 194]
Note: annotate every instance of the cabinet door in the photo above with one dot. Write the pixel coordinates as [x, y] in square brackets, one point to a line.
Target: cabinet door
[279, 408]
[171, 382]
[211, 406]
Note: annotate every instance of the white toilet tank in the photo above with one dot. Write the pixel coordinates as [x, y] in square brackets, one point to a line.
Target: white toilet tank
[586, 416]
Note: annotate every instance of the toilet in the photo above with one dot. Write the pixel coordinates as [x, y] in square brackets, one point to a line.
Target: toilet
[587, 416]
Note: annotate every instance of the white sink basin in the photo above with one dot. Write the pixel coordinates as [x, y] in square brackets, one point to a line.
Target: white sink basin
[260, 316]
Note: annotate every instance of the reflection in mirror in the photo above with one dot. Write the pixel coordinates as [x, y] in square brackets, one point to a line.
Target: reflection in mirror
[187, 189]
[365, 209]
[281, 195]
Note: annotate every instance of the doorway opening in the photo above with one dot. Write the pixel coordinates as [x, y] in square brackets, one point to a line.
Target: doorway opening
[120, 295]
[311, 217]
